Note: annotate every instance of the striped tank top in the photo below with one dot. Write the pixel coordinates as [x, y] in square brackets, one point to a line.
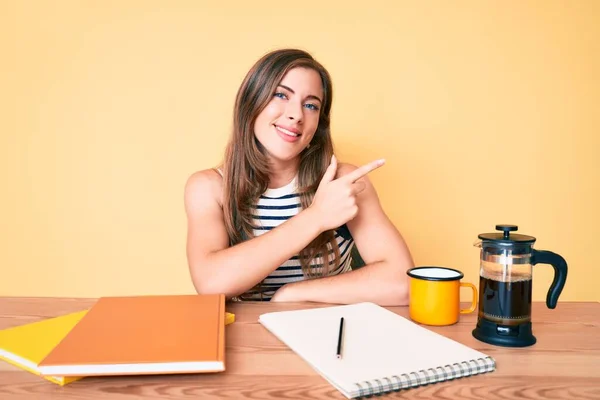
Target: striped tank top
[275, 207]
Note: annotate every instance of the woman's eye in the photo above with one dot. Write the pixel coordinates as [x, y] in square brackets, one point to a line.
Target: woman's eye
[311, 107]
[280, 95]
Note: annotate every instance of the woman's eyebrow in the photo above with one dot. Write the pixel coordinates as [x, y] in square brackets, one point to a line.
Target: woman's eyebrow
[310, 96]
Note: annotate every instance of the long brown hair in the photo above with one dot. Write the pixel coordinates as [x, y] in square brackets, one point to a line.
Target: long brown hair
[246, 167]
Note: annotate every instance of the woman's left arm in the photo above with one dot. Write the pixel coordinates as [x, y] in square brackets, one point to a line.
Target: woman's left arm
[382, 280]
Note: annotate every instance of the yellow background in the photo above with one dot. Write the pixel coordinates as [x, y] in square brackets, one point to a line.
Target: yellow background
[487, 113]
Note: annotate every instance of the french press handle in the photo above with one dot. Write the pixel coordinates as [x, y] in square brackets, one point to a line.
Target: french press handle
[560, 273]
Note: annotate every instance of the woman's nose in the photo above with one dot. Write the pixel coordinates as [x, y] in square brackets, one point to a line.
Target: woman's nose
[294, 111]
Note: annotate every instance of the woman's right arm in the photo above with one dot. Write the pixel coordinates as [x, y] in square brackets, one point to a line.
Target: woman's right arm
[217, 268]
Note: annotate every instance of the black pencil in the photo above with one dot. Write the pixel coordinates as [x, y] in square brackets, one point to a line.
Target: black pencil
[339, 346]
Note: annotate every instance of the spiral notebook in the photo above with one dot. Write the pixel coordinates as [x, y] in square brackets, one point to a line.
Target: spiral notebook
[381, 351]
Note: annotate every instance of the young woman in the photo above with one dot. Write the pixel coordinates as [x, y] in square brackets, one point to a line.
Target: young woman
[277, 221]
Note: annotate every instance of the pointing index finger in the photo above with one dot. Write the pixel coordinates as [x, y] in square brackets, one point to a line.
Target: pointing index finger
[364, 170]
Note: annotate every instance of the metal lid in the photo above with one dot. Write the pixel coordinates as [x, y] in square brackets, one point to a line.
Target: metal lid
[505, 237]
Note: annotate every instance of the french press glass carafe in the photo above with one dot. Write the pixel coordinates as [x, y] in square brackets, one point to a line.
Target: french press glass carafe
[505, 286]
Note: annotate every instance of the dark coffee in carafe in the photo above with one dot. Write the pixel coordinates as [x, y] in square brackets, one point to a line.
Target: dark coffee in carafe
[506, 261]
[505, 303]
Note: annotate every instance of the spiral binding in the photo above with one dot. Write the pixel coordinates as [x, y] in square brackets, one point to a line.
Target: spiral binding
[425, 377]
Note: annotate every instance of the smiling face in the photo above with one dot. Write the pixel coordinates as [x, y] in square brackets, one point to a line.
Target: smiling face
[288, 123]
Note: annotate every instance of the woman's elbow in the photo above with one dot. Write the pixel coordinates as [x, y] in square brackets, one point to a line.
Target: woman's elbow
[402, 295]
[206, 284]
[397, 288]
[395, 293]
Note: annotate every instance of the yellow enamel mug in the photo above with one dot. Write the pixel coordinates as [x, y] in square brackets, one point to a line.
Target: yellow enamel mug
[435, 295]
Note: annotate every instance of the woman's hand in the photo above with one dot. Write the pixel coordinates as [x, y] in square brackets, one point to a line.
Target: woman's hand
[335, 200]
[284, 294]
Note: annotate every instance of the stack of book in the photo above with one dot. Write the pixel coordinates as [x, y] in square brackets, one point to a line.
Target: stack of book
[136, 335]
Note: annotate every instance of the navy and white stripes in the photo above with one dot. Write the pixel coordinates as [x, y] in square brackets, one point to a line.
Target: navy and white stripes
[275, 207]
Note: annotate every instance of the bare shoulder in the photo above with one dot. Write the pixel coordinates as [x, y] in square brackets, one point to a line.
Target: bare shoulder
[203, 188]
[367, 195]
[344, 169]
[362, 172]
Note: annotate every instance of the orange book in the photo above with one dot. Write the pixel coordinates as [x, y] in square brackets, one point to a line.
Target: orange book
[144, 335]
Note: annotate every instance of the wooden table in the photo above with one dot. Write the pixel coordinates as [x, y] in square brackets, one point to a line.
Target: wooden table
[563, 364]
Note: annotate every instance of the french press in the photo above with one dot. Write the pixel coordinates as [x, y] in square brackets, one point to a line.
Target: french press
[505, 286]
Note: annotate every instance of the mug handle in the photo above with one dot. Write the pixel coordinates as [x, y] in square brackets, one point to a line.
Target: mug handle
[474, 301]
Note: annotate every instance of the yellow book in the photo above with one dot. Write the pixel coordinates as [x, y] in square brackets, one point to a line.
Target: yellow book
[229, 318]
[27, 345]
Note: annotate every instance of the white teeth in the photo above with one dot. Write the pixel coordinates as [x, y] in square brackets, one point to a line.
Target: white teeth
[292, 134]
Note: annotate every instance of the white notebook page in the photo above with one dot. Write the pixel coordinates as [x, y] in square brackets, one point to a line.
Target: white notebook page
[377, 343]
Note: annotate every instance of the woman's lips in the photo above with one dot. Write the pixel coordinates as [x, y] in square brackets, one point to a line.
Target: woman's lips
[287, 134]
